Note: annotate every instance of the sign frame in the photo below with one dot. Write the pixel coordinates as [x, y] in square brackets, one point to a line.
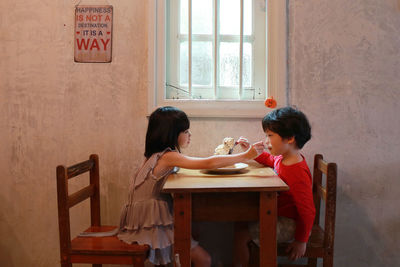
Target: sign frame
[93, 33]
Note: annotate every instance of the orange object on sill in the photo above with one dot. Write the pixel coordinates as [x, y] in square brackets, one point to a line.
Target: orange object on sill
[270, 102]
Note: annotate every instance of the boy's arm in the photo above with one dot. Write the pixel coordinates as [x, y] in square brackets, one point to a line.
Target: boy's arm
[303, 199]
[266, 159]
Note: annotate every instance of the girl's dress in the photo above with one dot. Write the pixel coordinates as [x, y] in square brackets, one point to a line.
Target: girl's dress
[147, 217]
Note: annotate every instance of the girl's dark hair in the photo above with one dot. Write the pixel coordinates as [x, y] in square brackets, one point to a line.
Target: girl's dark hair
[288, 122]
[165, 125]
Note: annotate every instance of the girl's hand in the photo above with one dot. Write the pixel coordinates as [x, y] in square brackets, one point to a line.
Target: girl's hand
[259, 147]
[251, 153]
[243, 142]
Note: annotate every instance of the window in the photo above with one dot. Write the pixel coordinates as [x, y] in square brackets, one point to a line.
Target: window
[213, 57]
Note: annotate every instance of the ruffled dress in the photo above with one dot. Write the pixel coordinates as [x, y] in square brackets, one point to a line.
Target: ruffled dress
[147, 217]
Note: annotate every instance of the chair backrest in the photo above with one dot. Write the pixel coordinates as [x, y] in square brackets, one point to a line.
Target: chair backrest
[66, 201]
[326, 193]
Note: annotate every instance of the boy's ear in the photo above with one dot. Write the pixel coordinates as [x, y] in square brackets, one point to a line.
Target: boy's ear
[291, 140]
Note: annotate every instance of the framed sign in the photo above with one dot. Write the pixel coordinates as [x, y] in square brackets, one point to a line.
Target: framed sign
[93, 33]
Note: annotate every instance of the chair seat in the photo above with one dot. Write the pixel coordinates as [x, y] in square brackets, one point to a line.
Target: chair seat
[86, 249]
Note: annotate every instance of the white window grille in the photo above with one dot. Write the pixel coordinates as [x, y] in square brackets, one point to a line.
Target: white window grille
[218, 57]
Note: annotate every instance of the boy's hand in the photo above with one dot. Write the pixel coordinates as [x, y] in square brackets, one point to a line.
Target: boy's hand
[296, 250]
[243, 142]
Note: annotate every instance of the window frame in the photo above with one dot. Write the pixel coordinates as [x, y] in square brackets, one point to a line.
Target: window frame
[276, 68]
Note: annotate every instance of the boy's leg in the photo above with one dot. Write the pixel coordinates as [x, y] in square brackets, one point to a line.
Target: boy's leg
[200, 257]
[240, 247]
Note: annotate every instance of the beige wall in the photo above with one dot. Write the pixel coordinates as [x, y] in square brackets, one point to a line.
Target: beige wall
[344, 73]
[55, 111]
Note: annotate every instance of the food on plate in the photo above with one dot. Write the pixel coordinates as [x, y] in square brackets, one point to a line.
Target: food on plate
[227, 144]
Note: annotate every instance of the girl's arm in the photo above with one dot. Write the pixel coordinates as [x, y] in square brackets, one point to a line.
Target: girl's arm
[263, 157]
[175, 159]
[245, 144]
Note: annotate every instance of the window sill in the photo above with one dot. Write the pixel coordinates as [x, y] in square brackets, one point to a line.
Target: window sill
[218, 108]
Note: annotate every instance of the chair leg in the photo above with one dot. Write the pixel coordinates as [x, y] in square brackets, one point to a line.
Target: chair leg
[328, 261]
[254, 255]
[312, 262]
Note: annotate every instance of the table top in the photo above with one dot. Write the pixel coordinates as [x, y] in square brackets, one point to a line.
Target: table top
[255, 178]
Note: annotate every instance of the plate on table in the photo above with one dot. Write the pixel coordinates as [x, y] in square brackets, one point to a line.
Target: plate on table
[237, 167]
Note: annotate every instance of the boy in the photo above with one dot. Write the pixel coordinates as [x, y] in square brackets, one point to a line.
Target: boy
[287, 130]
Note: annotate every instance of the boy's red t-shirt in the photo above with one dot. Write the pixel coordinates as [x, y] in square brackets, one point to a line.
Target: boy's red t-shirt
[297, 203]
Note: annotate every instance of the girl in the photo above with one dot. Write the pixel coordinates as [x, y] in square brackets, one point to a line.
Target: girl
[147, 217]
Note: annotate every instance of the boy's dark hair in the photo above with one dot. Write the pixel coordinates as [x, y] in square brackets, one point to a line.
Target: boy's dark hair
[165, 125]
[288, 122]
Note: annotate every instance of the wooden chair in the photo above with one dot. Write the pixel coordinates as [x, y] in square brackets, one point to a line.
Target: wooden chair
[321, 242]
[95, 250]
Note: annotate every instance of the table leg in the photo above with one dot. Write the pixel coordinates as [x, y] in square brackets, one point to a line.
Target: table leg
[182, 228]
[268, 218]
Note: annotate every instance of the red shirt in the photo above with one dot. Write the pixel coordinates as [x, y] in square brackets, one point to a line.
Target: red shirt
[297, 203]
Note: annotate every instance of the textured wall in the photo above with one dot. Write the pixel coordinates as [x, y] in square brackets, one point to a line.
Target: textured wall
[344, 73]
[55, 111]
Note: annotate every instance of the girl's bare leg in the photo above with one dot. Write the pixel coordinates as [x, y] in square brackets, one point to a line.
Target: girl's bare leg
[200, 257]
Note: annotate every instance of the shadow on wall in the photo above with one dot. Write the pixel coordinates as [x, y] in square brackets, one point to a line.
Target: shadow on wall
[112, 200]
[367, 232]
[10, 239]
[360, 237]
[217, 239]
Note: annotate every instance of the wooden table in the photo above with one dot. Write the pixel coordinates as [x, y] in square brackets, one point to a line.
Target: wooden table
[247, 196]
